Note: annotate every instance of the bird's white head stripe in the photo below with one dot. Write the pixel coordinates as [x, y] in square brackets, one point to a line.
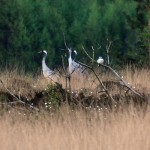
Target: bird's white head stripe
[44, 51]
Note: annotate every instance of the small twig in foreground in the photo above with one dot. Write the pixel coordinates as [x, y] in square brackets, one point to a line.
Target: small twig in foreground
[18, 99]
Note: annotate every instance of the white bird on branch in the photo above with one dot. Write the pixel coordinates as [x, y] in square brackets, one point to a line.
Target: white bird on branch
[100, 60]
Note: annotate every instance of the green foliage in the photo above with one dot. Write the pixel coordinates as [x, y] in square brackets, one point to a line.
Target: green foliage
[28, 26]
[54, 99]
[145, 36]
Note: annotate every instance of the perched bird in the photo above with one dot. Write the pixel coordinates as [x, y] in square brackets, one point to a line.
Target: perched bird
[47, 72]
[100, 60]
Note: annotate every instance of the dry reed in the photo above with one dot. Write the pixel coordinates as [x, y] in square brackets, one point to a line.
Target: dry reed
[76, 130]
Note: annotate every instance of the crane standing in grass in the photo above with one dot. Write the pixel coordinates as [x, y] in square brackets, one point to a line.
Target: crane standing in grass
[74, 66]
[47, 72]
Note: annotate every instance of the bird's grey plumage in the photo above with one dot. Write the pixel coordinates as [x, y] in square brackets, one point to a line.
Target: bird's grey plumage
[74, 66]
[47, 72]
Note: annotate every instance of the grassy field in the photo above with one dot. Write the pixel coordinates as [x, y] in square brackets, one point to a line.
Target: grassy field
[74, 129]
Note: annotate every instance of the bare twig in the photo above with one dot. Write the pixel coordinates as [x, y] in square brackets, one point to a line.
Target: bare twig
[107, 51]
[65, 41]
[93, 55]
[115, 73]
[18, 99]
[87, 54]
[122, 80]
[3, 103]
[105, 89]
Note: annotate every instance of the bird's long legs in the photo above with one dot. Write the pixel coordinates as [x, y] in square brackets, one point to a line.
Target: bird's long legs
[70, 95]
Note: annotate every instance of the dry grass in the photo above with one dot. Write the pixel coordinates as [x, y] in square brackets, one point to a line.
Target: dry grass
[76, 131]
[26, 84]
[140, 78]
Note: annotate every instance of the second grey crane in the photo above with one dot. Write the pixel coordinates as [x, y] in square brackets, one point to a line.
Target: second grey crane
[74, 66]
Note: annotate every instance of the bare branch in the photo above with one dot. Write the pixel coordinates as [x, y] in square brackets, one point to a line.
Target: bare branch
[121, 79]
[18, 99]
[107, 51]
[101, 83]
[115, 73]
[87, 54]
[65, 41]
[108, 47]
[93, 55]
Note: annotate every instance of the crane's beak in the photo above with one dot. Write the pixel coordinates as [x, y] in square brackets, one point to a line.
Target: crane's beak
[62, 49]
[40, 52]
[75, 52]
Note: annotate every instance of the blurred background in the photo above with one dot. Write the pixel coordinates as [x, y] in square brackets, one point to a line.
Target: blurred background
[28, 26]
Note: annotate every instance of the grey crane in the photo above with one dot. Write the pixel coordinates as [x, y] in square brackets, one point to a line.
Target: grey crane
[47, 72]
[74, 66]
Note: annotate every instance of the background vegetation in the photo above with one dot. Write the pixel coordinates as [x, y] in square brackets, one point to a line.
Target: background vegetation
[27, 26]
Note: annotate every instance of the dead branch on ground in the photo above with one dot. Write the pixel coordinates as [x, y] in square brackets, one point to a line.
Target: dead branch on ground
[18, 99]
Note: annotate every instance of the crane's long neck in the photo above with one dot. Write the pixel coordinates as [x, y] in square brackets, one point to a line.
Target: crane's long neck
[74, 57]
[70, 59]
[44, 66]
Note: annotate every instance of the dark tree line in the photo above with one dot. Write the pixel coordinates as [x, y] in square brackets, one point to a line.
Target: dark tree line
[28, 26]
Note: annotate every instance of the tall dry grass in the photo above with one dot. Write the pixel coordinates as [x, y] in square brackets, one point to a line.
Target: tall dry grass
[74, 130]
[77, 130]
[19, 82]
[138, 77]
